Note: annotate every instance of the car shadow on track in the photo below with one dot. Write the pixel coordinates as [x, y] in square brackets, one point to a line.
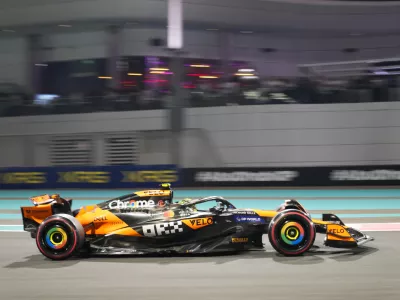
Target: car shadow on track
[315, 256]
[319, 255]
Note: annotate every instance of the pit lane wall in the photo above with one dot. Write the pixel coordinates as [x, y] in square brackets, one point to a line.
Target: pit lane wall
[234, 136]
[150, 176]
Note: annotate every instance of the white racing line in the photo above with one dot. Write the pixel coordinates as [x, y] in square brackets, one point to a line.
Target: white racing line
[377, 227]
[364, 227]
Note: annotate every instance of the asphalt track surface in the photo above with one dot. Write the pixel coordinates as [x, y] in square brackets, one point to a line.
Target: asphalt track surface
[372, 273]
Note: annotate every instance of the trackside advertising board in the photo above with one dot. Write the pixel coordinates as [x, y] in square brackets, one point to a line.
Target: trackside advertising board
[148, 176]
[293, 177]
[90, 177]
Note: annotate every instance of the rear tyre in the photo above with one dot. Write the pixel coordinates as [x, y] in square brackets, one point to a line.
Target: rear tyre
[60, 236]
[291, 233]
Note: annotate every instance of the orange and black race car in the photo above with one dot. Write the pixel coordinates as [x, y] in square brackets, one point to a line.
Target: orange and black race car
[149, 222]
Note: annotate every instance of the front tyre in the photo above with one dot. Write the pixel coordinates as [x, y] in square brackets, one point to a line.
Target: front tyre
[291, 233]
[60, 236]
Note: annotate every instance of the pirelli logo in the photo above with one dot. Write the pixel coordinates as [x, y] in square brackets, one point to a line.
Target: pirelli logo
[240, 240]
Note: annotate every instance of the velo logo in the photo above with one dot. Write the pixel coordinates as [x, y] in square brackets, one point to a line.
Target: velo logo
[198, 222]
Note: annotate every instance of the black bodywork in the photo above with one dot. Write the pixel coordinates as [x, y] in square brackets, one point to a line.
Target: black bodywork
[149, 222]
[178, 228]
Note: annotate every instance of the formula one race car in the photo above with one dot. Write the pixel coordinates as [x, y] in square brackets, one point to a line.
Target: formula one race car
[150, 222]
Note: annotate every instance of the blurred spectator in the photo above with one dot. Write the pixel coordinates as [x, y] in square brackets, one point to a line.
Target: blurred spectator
[16, 101]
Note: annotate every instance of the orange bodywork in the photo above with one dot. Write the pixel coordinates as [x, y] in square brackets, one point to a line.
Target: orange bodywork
[265, 213]
[153, 193]
[97, 221]
[40, 200]
[101, 222]
[335, 232]
[37, 213]
[94, 220]
[198, 223]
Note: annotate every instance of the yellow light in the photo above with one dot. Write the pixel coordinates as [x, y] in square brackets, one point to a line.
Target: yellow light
[244, 74]
[209, 77]
[135, 74]
[159, 69]
[200, 66]
[157, 72]
[104, 77]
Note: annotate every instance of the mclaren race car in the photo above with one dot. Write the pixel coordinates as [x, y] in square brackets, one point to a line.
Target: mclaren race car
[148, 222]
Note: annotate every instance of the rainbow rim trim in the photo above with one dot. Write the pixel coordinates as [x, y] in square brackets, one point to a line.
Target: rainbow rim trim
[56, 238]
[292, 233]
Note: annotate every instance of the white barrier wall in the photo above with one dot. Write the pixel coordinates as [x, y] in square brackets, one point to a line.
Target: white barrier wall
[303, 135]
[26, 141]
[266, 135]
[13, 61]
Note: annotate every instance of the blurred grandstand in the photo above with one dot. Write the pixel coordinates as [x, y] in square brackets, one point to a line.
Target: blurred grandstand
[338, 82]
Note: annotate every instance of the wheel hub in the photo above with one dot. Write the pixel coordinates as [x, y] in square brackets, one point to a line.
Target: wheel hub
[292, 233]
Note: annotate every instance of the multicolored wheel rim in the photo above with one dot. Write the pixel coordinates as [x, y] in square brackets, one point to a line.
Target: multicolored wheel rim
[56, 238]
[292, 233]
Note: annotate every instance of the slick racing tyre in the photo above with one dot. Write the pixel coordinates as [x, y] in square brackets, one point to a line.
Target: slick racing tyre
[291, 232]
[60, 236]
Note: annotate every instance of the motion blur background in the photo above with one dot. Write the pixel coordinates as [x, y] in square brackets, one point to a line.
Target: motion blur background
[256, 83]
[97, 96]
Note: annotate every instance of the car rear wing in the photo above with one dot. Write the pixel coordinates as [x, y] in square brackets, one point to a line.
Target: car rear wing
[41, 200]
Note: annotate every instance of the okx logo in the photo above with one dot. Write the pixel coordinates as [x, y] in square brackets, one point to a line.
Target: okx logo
[161, 229]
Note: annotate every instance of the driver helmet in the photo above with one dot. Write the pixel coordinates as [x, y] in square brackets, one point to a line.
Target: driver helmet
[186, 201]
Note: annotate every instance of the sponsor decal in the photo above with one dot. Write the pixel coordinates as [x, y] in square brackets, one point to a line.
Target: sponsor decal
[155, 193]
[150, 176]
[42, 198]
[248, 219]
[169, 214]
[184, 213]
[23, 178]
[246, 212]
[337, 231]
[118, 204]
[240, 240]
[198, 222]
[246, 176]
[161, 229]
[84, 177]
[350, 175]
[333, 229]
[100, 219]
[36, 212]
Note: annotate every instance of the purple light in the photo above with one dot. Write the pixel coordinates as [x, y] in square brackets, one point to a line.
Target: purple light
[381, 73]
